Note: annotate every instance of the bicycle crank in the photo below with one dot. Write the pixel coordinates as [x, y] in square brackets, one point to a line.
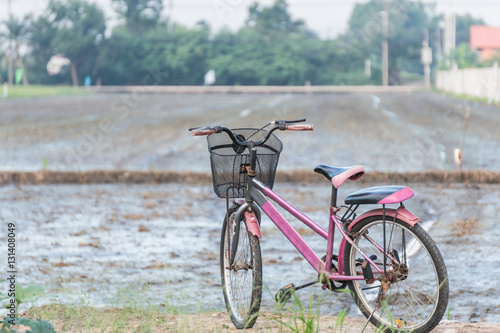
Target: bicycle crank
[330, 284]
[284, 294]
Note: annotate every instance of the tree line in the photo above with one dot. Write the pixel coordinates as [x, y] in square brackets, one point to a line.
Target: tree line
[272, 48]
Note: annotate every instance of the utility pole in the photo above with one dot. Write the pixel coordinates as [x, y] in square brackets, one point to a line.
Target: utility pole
[450, 34]
[170, 15]
[438, 43]
[426, 59]
[170, 11]
[385, 45]
[11, 71]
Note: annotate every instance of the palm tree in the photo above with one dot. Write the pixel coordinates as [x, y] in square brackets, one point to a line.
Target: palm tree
[17, 32]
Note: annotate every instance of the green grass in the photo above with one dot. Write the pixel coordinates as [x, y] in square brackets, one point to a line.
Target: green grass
[135, 314]
[129, 311]
[39, 90]
[92, 319]
[301, 319]
[465, 97]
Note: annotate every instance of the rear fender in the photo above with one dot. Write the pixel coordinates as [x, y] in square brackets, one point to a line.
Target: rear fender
[252, 218]
[402, 213]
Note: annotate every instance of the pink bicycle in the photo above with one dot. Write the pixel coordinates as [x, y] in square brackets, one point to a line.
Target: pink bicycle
[392, 266]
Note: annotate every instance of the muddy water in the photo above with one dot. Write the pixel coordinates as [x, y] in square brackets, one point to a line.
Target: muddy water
[137, 244]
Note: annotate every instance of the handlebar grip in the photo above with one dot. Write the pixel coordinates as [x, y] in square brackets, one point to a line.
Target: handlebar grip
[205, 130]
[300, 127]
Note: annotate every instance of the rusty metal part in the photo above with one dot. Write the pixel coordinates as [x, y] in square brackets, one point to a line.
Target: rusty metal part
[245, 168]
[384, 286]
[400, 272]
[237, 267]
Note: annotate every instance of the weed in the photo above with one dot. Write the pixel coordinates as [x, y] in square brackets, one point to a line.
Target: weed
[448, 313]
[37, 326]
[22, 295]
[305, 320]
[25, 294]
[340, 320]
[299, 319]
[84, 298]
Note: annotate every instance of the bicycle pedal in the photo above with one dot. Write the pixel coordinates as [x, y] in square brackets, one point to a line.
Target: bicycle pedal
[367, 272]
[284, 294]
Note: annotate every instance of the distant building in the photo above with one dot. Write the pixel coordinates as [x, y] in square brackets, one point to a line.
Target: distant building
[486, 40]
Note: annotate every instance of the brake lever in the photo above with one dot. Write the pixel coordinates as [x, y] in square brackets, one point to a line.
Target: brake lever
[295, 121]
[282, 122]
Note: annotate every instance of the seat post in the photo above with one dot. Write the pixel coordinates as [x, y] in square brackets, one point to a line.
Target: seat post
[334, 197]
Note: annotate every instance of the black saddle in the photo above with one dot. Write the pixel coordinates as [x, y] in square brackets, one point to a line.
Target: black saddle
[339, 175]
[379, 195]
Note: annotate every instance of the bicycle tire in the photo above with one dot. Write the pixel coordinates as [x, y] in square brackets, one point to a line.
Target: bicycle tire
[241, 284]
[412, 304]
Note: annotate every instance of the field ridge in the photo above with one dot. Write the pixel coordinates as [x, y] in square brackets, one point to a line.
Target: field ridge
[189, 177]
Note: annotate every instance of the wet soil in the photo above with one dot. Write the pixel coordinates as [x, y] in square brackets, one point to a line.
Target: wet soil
[123, 243]
[118, 244]
[384, 132]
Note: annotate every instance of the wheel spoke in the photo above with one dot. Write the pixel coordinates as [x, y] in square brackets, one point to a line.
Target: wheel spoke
[368, 288]
[412, 293]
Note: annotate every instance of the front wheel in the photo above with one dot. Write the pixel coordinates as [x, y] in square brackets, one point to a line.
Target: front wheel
[241, 281]
[416, 291]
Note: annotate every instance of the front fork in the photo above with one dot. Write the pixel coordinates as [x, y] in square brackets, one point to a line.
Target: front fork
[247, 209]
[250, 213]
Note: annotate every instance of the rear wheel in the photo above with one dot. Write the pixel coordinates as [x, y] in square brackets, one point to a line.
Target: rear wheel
[417, 292]
[241, 281]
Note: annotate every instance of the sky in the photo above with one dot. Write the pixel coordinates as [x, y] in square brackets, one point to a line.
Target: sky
[327, 18]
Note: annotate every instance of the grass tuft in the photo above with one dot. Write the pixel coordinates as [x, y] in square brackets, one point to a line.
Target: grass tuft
[41, 90]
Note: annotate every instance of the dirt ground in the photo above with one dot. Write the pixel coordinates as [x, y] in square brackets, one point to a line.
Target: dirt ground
[267, 322]
[219, 322]
[128, 244]
[383, 132]
[159, 242]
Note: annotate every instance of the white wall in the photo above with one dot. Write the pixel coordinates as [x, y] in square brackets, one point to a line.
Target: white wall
[478, 82]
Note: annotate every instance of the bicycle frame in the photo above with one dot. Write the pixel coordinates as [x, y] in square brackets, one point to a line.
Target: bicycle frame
[258, 193]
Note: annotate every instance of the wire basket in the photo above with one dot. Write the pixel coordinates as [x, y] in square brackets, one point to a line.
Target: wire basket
[228, 160]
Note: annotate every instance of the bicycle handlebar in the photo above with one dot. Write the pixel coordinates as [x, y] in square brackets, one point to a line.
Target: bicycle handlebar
[206, 130]
[278, 124]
